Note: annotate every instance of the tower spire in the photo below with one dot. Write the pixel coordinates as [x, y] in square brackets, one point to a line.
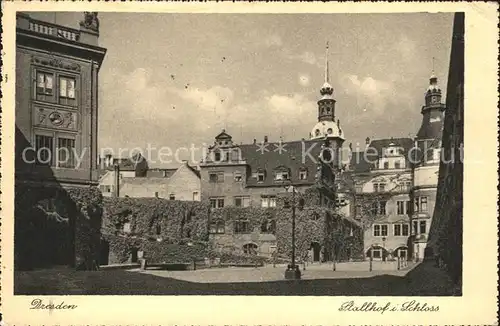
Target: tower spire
[327, 72]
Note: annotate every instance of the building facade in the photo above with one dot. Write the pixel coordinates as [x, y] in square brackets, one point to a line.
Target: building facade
[254, 175]
[426, 167]
[57, 71]
[445, 242]
[378, 196]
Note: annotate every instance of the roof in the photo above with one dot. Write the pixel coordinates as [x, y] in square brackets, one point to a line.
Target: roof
[292, 155]
[363, 161]
[430, 130]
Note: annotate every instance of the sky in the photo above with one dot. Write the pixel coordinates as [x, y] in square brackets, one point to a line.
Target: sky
[173, 80]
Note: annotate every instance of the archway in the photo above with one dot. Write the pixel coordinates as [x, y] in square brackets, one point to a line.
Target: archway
[134, 255]
[104, 253]
[376, 252]
[316, 248]
[401, 252]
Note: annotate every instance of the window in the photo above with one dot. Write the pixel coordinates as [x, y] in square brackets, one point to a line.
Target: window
[397, 230]
[217, 227]
[105, 188]
[378, 207]
[386, 165]
[44, 83]
[217, 156]
[401, 230]
[268, 226]
[397, 165]
[66, 152]
[384, 230]
[382, 205]
[44, 149]
[250, 249]
[261, 176]
[241, 201]
[406, 228]
[281, 175]
[402, 207]
[303, 175]
[379, 187]
[380, 230]
[317, 132]
[358, 188]
[423, 204]
[242, 227]
[237, 176]
[217, 202]
[405, 186]
[171, 197]
[377, 253]
[196, 196]
[216, 177]
[66, 87]
[268, 201]
[423, 227]
[158, 229]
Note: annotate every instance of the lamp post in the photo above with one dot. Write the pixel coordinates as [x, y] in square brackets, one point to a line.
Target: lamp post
[292, 272]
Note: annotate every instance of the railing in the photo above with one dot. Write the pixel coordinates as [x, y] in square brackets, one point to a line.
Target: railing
[54, 30]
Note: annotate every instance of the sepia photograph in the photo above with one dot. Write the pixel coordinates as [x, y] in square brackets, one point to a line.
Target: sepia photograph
[239, 154]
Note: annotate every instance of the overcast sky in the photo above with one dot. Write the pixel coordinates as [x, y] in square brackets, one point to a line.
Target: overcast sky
[178, 79]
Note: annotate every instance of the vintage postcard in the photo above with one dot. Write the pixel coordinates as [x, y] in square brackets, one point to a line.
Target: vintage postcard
[249, 163]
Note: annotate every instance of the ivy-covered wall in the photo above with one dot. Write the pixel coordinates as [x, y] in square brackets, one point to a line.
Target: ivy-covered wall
[165, 230]
[56, 226]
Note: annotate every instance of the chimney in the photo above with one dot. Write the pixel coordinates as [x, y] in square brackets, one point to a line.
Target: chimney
[367, 140]
[117, 180]
[265, 139]
[254, 141]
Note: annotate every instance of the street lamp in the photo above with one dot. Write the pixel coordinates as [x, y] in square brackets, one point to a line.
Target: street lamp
[292, 272]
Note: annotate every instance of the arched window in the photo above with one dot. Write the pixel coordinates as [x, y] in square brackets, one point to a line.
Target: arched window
[217, 227]
[250, 249]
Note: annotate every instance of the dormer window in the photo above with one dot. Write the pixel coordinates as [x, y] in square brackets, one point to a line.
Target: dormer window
[303, 174]
[217, 156]
[261, 175]
[281, 176]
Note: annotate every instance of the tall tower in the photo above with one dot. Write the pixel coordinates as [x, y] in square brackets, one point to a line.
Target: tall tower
[326, 126]
[426, 167]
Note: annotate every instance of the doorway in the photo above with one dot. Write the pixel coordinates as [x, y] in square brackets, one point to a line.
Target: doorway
[316, 248]
[104, 253]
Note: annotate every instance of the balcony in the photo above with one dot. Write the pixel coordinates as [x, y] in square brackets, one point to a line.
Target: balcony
[83, 36]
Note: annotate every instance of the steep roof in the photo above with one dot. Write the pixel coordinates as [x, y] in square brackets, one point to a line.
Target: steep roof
[363, 161]
[292, 155]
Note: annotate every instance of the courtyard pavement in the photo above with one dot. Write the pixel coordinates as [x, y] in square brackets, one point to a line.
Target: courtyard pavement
[270, 273]
[423, 280]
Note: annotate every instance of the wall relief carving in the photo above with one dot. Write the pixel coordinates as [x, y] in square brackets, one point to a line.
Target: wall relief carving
[56, 63]
[55, 118]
